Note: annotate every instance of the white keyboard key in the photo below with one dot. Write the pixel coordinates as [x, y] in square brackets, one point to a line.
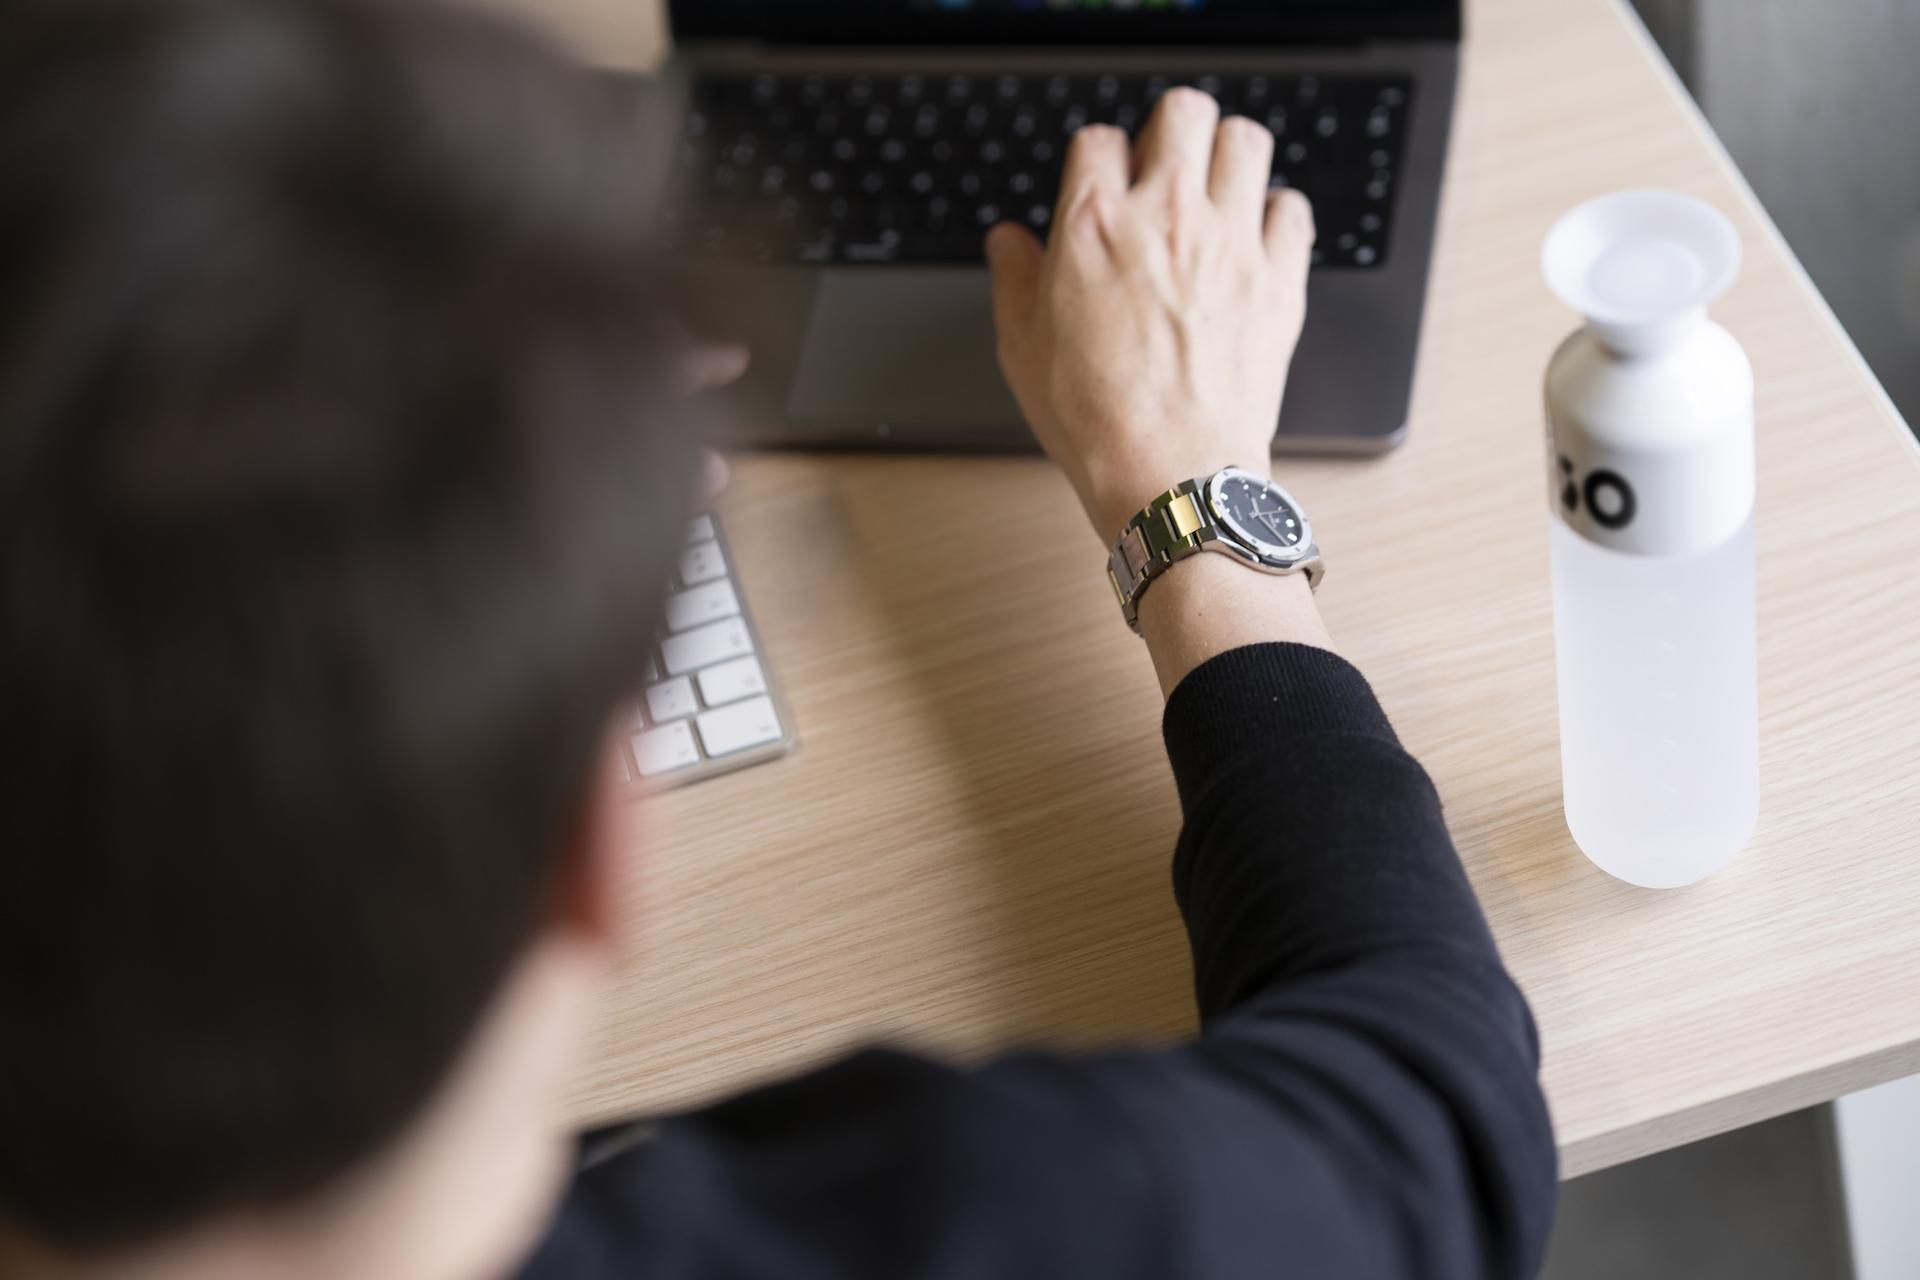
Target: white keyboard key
[666, 748]
[702, 562]
[735, 728]
[671, 700]
[700, 529]
[652, 672]
[703, 604]
[704, 646]
[732, 681]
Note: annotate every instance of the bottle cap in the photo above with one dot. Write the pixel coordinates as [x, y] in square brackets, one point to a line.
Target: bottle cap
[1641, 266]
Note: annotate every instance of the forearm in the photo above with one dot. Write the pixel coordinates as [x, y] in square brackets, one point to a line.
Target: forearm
[1341, 962]
[1209, 604]
[1311, 840]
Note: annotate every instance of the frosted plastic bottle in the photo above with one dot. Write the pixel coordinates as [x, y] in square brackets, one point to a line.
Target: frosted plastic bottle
[1651, 487]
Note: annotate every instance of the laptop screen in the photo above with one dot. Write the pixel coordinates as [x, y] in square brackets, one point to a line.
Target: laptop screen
[1092, 22]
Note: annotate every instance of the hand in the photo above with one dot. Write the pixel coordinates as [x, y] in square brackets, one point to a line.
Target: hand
[1149, 342]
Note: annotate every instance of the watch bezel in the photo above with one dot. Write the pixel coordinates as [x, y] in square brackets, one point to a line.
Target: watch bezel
[1271, 552]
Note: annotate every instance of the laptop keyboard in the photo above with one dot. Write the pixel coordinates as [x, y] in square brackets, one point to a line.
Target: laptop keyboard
[915, 168]
[707, 706]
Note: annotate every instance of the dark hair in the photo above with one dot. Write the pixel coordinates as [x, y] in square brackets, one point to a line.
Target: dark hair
[339, 470]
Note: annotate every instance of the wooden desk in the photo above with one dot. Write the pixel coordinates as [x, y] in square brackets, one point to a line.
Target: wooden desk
[970, 848]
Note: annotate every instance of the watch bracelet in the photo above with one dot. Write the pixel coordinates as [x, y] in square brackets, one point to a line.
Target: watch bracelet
[1172, 526]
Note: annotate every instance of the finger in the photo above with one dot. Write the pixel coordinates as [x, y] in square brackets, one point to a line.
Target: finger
[1289, 232]
[1014, 257]
[713, 364]
[1242, 163]
[1176, 147]
[1097, 160]
[714, 474]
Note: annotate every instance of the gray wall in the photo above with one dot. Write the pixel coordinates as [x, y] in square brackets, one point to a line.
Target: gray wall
[1819, 103]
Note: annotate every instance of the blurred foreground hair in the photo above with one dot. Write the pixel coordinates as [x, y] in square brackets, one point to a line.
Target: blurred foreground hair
[340, 466]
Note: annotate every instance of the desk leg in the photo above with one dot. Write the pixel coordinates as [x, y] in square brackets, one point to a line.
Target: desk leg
[1879, 1139]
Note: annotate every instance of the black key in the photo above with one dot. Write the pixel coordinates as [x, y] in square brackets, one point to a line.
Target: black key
[884, 247]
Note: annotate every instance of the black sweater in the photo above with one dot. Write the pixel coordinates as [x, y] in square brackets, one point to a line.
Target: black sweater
[1361, 1102]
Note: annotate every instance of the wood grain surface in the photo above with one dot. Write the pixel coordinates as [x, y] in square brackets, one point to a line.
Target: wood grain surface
[970, 849]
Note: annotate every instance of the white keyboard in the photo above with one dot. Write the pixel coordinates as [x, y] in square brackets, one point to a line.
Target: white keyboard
[708, 706]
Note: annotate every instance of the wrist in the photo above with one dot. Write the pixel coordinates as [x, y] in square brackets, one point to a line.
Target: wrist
[1207, 604]
[1112, 499]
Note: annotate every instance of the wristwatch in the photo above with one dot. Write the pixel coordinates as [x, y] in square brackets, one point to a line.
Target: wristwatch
[1233, 511]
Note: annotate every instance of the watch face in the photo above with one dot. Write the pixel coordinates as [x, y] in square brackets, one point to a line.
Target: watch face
[1260, 514]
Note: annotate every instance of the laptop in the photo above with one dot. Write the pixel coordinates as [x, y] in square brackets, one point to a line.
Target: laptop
[839, 162]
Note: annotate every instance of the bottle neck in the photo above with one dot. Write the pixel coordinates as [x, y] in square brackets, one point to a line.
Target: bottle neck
[1648, 338]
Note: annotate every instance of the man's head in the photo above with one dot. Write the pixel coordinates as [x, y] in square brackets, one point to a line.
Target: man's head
[338, 467]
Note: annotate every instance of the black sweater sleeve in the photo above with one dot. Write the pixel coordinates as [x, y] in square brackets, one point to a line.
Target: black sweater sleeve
[1361, 1102]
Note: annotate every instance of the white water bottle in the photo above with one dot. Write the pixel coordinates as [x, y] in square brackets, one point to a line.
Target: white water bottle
[1651, 486]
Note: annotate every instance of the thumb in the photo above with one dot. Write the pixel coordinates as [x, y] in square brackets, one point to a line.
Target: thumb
[1015, 257]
